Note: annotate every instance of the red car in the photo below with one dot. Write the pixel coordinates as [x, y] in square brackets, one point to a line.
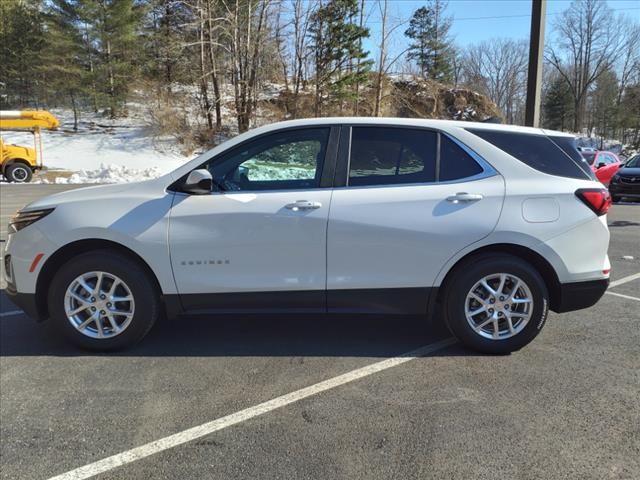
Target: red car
[604, 164]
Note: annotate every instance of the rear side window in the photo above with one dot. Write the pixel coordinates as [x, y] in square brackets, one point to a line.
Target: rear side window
[568, 146]
[455, 163]
[537, 151]
[388, 156]
[589, 157]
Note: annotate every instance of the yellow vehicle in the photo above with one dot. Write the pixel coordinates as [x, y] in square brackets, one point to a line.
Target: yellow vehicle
[17, 163]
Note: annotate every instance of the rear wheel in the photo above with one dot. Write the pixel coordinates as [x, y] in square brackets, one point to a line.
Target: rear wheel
[18, 173]
[103, 301]
[496, 304]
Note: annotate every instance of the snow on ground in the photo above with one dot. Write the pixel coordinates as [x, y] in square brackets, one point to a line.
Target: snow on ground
[103, 150]
[107, 174]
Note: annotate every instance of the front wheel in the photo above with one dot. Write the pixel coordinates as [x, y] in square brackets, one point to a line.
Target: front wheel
[18, 173]
[496, 304]
[103, 301]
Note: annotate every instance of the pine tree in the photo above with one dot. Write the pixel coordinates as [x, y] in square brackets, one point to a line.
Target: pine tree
[62, 54]
[605, 111]
[21, 40]
[112, 26]
[431, 47]
[340, 61]
[558, 105]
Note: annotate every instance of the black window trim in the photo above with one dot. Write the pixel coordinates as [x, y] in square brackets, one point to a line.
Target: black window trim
[344, 158]
[328, 166]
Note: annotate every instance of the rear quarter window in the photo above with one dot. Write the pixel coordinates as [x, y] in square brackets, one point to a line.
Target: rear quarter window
[537, 151]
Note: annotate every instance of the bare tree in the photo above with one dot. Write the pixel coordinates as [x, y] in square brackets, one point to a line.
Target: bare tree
[588, 43]
[498, 69]
[629, 58]
[246, 21]
[384, 62]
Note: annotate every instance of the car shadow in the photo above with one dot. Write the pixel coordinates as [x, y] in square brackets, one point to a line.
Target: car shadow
[623, 223]
[290, 335]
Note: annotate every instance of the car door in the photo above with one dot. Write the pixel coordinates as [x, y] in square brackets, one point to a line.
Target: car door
[259, 240]
[413, 198]
[607, 165]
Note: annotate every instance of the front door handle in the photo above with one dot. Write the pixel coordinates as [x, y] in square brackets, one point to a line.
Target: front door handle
[464, 197]
[303, 205]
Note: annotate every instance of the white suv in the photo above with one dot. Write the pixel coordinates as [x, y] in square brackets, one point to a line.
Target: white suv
[484, 226]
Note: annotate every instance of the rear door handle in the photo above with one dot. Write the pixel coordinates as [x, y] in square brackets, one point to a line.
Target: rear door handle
[464, 197]
[303, 205]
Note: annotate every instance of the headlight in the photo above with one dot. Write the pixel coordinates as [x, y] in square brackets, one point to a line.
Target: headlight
[23, 219]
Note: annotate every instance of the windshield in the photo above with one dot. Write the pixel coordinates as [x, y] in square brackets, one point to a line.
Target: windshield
[589, 157]
[633, 162]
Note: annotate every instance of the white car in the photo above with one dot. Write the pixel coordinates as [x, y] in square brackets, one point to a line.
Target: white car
[484, 226]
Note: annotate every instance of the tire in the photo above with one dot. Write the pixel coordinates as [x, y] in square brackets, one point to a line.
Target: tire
[18, 173]
[133, 318]
[527, 319]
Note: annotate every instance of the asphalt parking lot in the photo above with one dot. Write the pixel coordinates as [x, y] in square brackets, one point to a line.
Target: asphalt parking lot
[343, 401]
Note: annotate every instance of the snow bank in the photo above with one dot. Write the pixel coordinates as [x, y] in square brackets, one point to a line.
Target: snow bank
[108, 174]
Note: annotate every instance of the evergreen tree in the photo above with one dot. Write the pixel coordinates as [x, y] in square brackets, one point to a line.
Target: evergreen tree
[62, 54]
[605, 111]
[112, 26]
[21, 40]
[431, 47]
[164, 33]
[340, 61]
[558, 105]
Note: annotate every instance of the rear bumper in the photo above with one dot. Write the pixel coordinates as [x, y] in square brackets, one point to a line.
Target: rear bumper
[579, 295]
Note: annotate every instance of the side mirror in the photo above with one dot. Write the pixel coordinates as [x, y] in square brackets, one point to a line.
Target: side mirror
[199, 182]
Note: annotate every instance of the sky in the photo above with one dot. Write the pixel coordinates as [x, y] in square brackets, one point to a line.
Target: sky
[477, 20]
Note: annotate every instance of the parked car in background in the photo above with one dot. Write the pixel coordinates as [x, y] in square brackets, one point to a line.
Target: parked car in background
[626, 182]
[604, 164]
[482, 223]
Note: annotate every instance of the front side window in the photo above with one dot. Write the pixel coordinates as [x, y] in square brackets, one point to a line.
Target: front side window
[291, 160]
[389, 156]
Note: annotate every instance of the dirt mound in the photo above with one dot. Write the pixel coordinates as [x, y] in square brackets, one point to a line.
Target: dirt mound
[402, 96]
[419, 98]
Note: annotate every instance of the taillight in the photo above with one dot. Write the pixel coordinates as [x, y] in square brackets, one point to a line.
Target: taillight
[597, 199]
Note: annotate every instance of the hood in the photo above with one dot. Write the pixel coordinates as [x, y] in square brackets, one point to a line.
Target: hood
[629, 172]
[100, 192]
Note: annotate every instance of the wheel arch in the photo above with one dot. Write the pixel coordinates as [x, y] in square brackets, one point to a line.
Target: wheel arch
[537, 261]
[12, 161]
[70, 250]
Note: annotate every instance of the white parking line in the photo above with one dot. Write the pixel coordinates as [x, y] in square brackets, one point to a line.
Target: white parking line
[11, 313]
[194, 433]
[624, 280]
[628, 297]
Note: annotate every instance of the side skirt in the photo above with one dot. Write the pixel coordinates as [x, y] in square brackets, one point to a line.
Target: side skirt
[395, 301]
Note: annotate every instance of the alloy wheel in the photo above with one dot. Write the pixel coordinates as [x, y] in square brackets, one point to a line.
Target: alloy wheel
[499, 306]
[99, 305]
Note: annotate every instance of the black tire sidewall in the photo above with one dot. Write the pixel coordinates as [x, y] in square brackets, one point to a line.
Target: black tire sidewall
[464, 278]
[10, 169]
[142, 288]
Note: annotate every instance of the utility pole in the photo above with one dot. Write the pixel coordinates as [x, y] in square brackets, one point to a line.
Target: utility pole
[536, 53]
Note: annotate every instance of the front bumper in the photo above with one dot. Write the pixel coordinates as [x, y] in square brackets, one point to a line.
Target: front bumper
[579, 295]
[620, 189]
[26, 302]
